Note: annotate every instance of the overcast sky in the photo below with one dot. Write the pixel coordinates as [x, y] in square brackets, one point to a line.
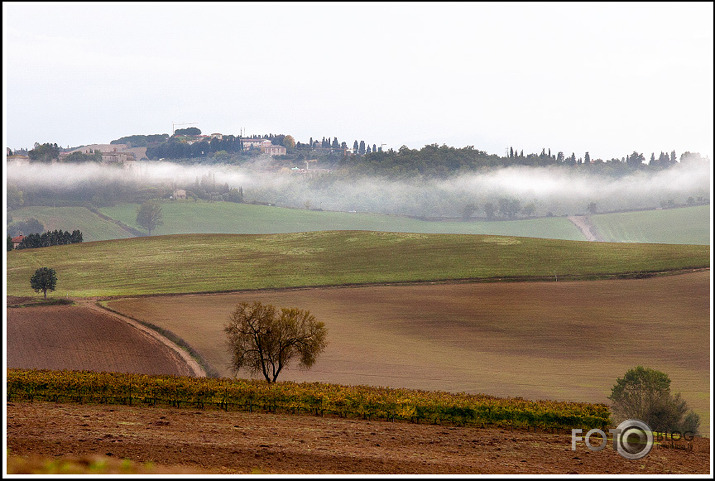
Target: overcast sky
[608, 78]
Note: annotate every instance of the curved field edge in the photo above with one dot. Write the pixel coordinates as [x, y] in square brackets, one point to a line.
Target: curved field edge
[170, 338]
[194, 263]
[302, 398]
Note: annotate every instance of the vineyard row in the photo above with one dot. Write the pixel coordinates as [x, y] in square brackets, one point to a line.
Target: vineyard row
[313, 398]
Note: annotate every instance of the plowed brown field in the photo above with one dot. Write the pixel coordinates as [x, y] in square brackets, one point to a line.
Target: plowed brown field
[80, 338]
[538, 340]
[218, 442]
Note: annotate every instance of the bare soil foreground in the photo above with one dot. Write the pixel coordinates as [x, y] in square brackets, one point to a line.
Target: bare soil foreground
[80, 338]
[538, 340]
[217, 442]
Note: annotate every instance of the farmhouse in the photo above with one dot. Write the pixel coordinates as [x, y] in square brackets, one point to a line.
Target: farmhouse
[115, 157]
[265, 145]
[255, 143]
[111, 153]
[179, 194]
[16, 241]
[271, 149]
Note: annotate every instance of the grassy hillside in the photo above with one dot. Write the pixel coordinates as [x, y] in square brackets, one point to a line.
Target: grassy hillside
[206, 263]
[686, 225]
[230, 218]
[93, 227]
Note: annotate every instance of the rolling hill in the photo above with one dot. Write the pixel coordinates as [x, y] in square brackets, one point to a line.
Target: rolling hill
[226, 262]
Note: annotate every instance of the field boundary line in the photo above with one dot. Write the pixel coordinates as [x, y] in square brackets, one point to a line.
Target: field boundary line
[467, 280]
[134, 232]
[198, 370]
[584, 224]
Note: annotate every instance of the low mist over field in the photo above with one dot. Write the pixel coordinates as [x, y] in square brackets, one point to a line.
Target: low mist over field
[538, 190]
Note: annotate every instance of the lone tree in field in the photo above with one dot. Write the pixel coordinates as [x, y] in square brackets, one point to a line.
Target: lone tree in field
[644, 394]
[149, 215]
[263, 340]
[44, 279]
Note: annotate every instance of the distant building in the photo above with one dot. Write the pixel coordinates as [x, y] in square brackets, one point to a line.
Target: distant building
[271, 149]
[19, 158]
[111, 153]
[255, 143]
[179, 194]
[117, 157]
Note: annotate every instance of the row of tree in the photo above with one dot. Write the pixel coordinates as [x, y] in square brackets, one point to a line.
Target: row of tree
[141, 140]
[176, 148]
[546, 158]
[44, 152]
[429, 161]
[444, 161]
[359, 148]
[50, 238]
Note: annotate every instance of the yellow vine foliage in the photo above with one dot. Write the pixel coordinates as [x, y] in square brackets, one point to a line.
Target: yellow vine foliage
[307, 398]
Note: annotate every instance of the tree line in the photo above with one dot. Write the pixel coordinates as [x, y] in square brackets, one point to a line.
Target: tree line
[429, 161]
[444, 161]
[50, 238]
[176, 148]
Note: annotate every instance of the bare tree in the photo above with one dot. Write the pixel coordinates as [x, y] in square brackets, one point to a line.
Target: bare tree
[149, 215]
[263, 340]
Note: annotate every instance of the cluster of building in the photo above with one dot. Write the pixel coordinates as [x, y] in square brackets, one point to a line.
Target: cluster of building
[264, 145]
[111, 153]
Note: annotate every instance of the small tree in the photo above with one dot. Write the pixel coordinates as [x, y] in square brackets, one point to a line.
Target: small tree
[289, 142]
[149, 215]
[489, 210]
[263, 340]
[644, 394]
[44, 279]
[468, 211]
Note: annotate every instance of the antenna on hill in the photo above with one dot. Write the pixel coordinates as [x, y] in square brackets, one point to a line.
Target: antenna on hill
[173, 126]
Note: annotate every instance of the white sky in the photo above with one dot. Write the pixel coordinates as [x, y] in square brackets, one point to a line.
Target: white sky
[608, 78]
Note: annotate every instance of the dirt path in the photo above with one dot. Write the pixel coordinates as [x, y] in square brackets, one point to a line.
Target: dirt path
[190, 361]
[218, 442]
[589, 231]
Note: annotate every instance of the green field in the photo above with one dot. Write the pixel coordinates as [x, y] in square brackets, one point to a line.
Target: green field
[188, 217]
[222, 262]
[686, 225]
[92, 226]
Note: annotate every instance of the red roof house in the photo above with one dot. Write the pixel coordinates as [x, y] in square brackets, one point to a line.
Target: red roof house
[16, 241]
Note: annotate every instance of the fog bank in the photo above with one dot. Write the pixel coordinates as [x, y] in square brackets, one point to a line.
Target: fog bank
[541, 190]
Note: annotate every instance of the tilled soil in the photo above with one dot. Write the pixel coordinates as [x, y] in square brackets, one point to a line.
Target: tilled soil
[83, 337]
[218, 442]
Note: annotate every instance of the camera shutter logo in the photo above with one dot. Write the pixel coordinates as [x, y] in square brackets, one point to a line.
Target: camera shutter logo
[633, 439]
[626, 443]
